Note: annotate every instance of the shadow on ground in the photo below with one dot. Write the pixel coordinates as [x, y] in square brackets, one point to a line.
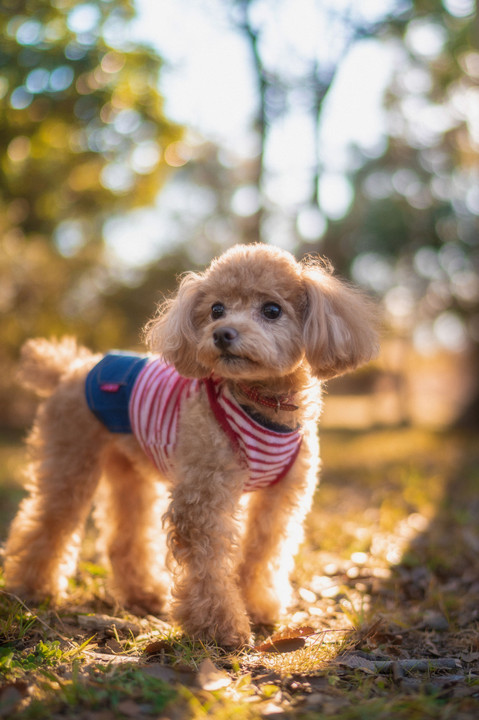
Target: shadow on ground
[387, 583]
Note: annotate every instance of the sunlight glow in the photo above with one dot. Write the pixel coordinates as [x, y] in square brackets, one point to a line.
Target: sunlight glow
[335, 195]
[209, 85]
[83, 18]
[459, 8]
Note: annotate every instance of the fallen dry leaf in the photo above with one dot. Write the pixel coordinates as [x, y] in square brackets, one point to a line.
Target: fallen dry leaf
[470, 657]
[112, 645]
[170, 675]
[272, 708]
[155, 647]
[210, 677]
[286, 641]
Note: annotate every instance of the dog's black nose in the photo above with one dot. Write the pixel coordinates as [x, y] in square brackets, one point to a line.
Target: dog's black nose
[223, 337]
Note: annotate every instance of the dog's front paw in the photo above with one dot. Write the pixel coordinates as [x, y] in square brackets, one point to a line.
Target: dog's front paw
[226, 633]
[265, 594]
[222, 626]
[142, 601]
[264, 610]
[36, 590]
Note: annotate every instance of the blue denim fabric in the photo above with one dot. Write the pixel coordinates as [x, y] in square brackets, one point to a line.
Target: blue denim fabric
[108, 388]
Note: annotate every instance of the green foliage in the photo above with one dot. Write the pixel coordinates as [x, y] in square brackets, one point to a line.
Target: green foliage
[112, 685]
[101, 688]
[44, 654]
[82, 137]
[15, 622]
[411, 234]
[82, 125]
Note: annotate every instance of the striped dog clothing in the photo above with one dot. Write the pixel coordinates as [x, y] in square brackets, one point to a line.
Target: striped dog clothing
[144, 395]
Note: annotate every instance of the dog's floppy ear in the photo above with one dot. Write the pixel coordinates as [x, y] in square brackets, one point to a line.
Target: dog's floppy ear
[339, 325]
[172, 332]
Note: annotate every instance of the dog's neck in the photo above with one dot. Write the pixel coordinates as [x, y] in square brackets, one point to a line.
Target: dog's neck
[281, 401]
[285, 402]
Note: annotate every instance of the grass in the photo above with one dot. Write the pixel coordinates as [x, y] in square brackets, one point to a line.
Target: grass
[389, 572]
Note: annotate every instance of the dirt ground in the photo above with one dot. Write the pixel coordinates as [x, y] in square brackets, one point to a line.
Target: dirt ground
[385, 622]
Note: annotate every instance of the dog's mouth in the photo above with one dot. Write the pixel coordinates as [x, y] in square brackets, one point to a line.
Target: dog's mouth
[231, 360]
[233, 366]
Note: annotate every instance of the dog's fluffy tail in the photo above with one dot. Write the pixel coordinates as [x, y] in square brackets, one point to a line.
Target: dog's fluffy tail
[44, 362]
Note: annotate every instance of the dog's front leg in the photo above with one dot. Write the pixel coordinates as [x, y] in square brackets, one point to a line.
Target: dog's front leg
[273, 533]
[203, 538]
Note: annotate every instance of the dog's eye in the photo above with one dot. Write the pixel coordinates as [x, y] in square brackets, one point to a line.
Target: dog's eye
[271, 310]
[217, 311]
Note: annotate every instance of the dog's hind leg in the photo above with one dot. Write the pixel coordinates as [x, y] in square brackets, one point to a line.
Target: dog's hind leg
[131, 522]
[45, 535]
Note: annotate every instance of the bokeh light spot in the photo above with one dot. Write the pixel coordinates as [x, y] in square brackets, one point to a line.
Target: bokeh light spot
[37, 80]
[83, 18]
[245, 201]
[29, 32]
[20, 98]
[311, 223]
[61, 78]
[145, 157]
[177, 154]
[19, 149]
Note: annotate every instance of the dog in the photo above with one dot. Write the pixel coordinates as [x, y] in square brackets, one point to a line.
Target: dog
[223, 411]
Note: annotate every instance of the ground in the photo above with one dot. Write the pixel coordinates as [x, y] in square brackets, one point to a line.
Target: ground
[385, 622]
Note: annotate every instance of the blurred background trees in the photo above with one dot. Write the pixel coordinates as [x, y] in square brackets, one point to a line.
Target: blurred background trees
[83, 136]
[412, 232]
[104, 199]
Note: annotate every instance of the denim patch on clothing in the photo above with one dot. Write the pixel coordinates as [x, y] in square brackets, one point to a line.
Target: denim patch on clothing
[108, 388]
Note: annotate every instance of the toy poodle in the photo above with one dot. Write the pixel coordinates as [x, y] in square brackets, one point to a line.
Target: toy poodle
[223, 412]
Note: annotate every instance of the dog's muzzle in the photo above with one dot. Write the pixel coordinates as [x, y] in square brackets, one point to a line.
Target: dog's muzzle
[224, 337]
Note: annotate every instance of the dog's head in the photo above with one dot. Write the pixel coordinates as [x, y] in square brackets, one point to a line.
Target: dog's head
[257, 314]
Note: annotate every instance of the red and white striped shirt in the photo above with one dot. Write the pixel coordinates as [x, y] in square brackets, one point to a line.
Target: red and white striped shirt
[155, 408]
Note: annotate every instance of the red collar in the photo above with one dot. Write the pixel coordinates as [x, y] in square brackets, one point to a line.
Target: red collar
[276, 402]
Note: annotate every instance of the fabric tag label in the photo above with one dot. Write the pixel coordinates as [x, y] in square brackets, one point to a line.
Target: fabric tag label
[110, 387]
